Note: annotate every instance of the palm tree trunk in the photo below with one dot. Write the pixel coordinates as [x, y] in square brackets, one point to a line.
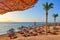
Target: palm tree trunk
[54, 25]
[46, 21]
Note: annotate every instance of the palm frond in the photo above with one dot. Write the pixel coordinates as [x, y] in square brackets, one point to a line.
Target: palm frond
[55, 15]
[50, 5]
[47, 6]
[44, 6]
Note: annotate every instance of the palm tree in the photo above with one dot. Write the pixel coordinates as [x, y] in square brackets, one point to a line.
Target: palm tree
[55, 16]
[47, 7]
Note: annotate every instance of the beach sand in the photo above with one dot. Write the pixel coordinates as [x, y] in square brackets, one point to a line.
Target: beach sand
[39, 37]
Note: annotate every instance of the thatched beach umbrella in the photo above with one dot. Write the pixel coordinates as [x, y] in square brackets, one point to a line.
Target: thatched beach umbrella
[15, 5]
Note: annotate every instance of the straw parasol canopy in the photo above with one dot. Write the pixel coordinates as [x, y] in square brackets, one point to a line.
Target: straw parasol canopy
[15, 5]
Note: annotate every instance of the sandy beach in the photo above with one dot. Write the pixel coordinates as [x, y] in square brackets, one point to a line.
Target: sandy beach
[41, 37]
[38, 37]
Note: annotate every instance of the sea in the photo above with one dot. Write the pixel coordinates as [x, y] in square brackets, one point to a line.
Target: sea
[5, 26]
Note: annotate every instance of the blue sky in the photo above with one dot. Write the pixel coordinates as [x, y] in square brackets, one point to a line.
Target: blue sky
[36, 13]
